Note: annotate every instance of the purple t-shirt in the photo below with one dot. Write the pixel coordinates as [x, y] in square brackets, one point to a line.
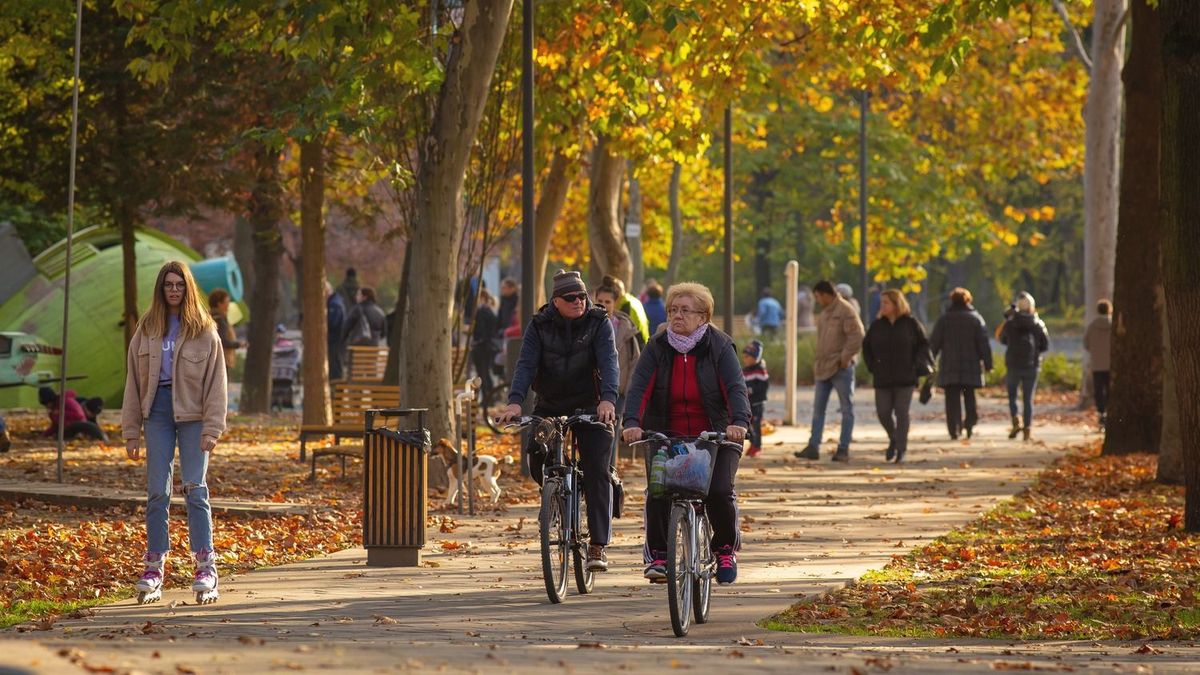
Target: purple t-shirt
[168, 350]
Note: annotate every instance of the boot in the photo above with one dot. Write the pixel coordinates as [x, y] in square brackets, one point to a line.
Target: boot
[1026, 432]
[1016, 427]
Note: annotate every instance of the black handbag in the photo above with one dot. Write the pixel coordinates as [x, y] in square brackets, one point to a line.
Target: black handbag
[927, 389]
[618, 502]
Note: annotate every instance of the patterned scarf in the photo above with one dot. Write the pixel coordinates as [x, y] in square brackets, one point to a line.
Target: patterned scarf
[686, 343]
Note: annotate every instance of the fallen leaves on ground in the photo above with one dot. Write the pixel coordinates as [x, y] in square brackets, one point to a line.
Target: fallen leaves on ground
[1093, 550]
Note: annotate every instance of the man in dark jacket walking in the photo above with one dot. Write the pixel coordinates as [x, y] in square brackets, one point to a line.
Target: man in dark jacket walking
[960, 337]
[335, 319]
[373, 334]
[569, 358]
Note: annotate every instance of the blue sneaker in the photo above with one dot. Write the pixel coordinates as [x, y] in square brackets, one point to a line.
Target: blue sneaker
[726, 565]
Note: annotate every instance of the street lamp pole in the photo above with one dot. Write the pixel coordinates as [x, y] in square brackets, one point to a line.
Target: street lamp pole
[862, 204]
[530, 278]
[728, 322]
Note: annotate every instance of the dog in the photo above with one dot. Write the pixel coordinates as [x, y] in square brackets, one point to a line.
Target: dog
[487, 469]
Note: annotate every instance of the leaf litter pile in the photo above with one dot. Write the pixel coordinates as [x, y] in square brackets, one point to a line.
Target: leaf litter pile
[56, 559]
[1094, 550]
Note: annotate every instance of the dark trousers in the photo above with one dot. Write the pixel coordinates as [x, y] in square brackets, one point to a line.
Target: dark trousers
[892, 405]
[84, 429]
[721, 506]
[956, 397]
[482, 358]
[1101, 380]
[1026, 381]
[756, 418]
[595, 447]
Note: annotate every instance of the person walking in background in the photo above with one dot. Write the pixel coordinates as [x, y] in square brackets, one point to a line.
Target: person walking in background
[896, 352]
[846, 291]
[625, 334]
[349, 287]
[758, 382]
[804, 309]
[631, 306]
[175, 387]
[656, 309]
[1097, 340]
[686, 382]
[769, 313]
[839, 337]
[218, 306]
[1027, 339]
[960, 339]
[366, 325]
[510, 304]
[485, 338]
[335, 322]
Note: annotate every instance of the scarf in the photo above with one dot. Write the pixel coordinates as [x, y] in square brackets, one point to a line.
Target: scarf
[686, 343]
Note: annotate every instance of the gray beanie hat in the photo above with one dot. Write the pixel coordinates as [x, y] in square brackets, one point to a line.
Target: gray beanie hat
[566, 283]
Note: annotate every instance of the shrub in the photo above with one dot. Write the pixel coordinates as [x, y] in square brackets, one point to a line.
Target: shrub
[1059, 372]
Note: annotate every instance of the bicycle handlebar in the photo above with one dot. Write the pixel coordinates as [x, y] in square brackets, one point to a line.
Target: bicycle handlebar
[562, 421]
[717, 437]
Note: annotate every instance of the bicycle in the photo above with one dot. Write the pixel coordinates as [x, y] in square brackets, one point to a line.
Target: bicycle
[691, 563]
[563, 538]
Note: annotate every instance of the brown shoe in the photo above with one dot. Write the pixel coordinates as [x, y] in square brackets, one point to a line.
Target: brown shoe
[597, 559]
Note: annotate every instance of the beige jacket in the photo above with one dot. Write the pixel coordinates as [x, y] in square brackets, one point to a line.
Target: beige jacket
[628, 349]
[1098, 342]
[839, 337]
[198, 391]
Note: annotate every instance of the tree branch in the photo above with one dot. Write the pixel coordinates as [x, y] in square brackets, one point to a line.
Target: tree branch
[1077, 41]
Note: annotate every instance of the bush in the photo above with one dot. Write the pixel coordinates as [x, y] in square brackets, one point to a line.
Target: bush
[1058, 372]
[775, 353]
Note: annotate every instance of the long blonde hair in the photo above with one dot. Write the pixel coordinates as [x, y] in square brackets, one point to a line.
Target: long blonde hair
[194, 318]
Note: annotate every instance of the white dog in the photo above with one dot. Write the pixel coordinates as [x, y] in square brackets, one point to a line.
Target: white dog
[486, 469]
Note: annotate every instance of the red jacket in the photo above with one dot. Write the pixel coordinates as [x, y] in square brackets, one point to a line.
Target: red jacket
[74, 413]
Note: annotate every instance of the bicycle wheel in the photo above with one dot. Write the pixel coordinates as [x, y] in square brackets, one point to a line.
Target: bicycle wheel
[680, 547]
[490, 410]
[555, 540]
[585, 580]
[706, 569]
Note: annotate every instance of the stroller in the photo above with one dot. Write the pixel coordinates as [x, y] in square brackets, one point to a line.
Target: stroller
[285, 364]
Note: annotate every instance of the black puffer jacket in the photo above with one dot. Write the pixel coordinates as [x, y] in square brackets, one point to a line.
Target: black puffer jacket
[570, 364]
[1027, 338]
[718, 372]
[960, 337]
[892, 351]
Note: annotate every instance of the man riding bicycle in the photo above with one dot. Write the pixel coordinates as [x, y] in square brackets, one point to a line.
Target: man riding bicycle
[569, 357]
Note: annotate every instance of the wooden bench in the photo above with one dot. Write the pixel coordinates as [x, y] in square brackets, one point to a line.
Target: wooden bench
[350, 401]
[339, 451]
[366, 364]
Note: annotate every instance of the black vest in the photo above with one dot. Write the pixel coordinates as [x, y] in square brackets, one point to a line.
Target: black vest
[567, 377]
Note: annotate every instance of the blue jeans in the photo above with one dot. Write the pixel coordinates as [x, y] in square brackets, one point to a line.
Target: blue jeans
[1026, 379]
[843, 382]
[162, 434]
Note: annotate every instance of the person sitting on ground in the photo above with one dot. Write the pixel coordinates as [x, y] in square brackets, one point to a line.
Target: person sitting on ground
[688, 381]
[569, 359]
[1098, 343]
[631, 306]
[754, 371]
[75, 422]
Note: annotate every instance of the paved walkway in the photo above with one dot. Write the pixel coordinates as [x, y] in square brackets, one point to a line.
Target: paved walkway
[809, 526]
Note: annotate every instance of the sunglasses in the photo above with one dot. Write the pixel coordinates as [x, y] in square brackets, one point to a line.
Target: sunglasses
[574, 297]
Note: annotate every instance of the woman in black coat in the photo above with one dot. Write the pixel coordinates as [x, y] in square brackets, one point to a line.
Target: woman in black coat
[894, 348]
[960, 337]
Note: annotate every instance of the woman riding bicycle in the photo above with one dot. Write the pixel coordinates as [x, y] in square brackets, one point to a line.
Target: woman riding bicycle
[687, 381]
[569, 358]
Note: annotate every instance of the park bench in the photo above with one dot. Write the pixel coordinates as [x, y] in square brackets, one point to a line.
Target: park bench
[366, 364]
[350, 401]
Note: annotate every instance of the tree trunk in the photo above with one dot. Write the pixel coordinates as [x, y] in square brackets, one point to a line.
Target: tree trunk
[313, 324]
[549, 207]
[1181, 227]
[436, 235]
[391, 371]
[1101, 170]
[676, 225]
[129, 277]
[1170, 445]
[607, 240]
[266, 210]
[243, 252]
[1135, 407]
[633, 216]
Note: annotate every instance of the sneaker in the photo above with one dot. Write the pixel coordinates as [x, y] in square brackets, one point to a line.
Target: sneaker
[656, 571]
[726, 565]
[597, 559]
[753, 451]
[807, 453]
[842, 455]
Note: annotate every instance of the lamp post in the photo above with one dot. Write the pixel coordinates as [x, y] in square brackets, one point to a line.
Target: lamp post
[863, 109]
[728, 208]
[530, 277]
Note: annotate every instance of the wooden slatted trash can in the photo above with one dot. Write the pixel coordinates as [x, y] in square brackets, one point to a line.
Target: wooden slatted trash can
[395, 469]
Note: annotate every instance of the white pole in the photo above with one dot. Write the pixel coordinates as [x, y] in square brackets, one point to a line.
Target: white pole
[62, 380]
[790, 325]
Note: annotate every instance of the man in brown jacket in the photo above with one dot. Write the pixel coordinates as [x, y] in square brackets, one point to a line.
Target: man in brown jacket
[1097, 340]
[839, 338]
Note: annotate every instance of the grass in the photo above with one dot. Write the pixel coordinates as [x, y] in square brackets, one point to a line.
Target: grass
[23, 611]
[1093, 550]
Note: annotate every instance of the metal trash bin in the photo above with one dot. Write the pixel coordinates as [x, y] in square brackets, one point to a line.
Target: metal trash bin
[395, 470]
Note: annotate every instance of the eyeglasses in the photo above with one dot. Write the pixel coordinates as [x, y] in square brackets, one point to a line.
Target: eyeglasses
[574, 297]
[181, 286]
[682, 311]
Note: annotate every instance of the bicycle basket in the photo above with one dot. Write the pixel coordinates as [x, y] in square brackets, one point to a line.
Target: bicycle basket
[688, 470]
